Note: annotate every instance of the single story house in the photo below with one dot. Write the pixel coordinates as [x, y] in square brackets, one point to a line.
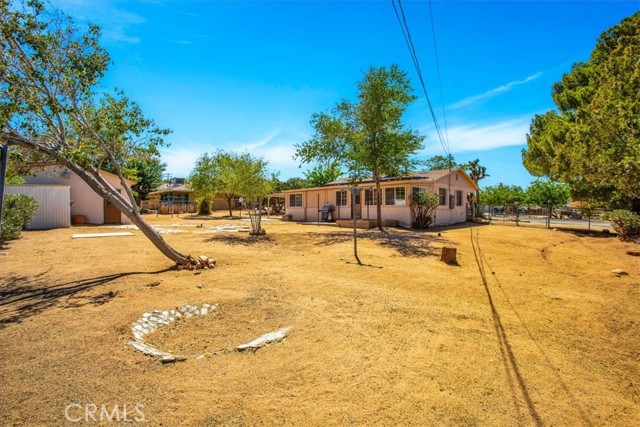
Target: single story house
[177, 191]
[452, 186]
[82, 199]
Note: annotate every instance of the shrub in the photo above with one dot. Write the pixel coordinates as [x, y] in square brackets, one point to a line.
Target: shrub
[17, 212]
[423, 205]
[204, 207]
[626, 223]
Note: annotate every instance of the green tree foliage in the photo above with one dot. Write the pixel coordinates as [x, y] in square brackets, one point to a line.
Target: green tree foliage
[548, 194]
[367, 138]
[147, 174]
[17, 212]
[205, 181]
[50, 71]
[233, 175]
[423, 204]
[440, 162]
[626, 223]
[504, 195]
[593, 141]
[291, 184]
[322, 174]
[254, 185]
[508, 196]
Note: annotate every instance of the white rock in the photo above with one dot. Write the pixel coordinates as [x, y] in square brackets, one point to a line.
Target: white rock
[268, 338]
[620, 272]
[204, 311]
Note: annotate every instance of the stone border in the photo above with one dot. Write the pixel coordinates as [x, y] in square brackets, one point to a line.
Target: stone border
[151, 321]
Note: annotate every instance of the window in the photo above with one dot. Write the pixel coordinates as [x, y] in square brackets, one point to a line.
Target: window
[295, 200]
[416, 190]
[370, 196]
[458, 197]
[341, 198]
[394, 196]
[442, 193]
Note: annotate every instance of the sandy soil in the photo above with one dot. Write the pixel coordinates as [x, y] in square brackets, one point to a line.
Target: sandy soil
[531, 329]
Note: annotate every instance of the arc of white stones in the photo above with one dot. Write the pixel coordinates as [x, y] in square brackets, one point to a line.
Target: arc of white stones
[151, 321]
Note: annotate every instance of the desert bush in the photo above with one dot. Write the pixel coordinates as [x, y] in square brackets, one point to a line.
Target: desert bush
[204, 207]
[626, 223]
[423, 205]
[17, 212]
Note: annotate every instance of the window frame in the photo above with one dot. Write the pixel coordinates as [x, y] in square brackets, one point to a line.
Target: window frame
[339, 196]
[370, 196]
[399, 195]
[442, 196]
[294, 198]
[458, 197]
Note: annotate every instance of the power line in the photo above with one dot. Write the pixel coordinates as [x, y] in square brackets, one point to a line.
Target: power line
[435, 49]
[414, 57]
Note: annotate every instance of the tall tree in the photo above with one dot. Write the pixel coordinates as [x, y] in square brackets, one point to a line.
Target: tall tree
[254, 185]
[440, 162]
[50, 70]
[235, 169]
[367, 138]
[593, 141]
[476, 172]
[204, 180]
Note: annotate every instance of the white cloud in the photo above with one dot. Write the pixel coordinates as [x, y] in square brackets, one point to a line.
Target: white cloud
[480, 136]
[275, 146]
[493, 92]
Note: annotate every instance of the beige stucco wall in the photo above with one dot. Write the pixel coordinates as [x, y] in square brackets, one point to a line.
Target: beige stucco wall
[84, 201]
[443, 214]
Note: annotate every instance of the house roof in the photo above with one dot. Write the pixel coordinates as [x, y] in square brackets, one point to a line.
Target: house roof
[423, 176]
[171, 188]
[426, 176]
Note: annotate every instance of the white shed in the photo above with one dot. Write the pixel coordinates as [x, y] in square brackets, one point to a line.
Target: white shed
[54, 210]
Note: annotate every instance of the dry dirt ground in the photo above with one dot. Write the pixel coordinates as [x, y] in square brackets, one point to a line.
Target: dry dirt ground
[532, 328]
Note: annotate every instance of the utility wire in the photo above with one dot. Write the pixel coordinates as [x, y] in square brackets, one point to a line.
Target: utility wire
[435, 49]
[414, 57]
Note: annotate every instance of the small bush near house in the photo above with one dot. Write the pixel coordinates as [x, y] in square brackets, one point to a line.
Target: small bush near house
[204, 207]
[423, 205]
[17, 212]
[626, 224]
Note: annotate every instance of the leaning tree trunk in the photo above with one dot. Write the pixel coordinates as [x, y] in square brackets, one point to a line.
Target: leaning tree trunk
[130, 210]
[126, 205]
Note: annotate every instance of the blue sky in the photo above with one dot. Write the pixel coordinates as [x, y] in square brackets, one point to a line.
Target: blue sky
[248, 75]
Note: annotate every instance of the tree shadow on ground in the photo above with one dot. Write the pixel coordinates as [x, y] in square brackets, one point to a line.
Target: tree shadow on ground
[606, 234]
[235, 240]
[406, 243]
[24, 296]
